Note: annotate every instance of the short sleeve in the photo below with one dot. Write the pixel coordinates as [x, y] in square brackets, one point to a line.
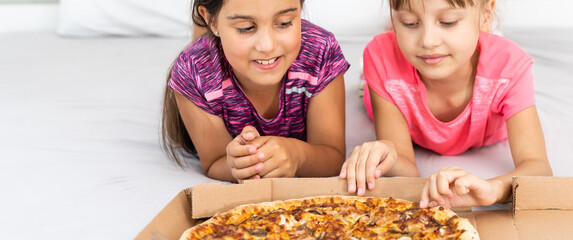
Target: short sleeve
[375, 70]
[332, 65]
[185, 81]
[519, 93]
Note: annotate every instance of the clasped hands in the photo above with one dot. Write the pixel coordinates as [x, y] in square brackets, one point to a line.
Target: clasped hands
[252, 156]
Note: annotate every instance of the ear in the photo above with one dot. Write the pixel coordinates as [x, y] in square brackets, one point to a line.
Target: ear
[207, 17]
[486, 16]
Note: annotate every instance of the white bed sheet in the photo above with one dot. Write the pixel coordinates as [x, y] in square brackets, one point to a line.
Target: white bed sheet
[79, 146]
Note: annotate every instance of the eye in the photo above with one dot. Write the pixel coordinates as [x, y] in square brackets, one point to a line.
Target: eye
[449, 24]
[285, 24]
[410, 25]
[246, 30]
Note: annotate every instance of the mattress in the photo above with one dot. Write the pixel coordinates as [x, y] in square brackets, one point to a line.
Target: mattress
[79, 130]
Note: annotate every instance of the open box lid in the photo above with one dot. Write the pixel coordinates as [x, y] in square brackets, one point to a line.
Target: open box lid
[209, 199]
[542, 208]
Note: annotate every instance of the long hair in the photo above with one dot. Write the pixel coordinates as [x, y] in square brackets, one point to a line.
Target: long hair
[175, 139]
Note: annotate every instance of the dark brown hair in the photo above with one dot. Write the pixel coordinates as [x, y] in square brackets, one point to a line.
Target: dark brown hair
[175, 139]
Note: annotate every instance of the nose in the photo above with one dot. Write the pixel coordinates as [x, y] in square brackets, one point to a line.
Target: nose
[265, 41]
[430, 37]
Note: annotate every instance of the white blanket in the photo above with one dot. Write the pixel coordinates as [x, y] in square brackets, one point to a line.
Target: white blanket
[79, 130]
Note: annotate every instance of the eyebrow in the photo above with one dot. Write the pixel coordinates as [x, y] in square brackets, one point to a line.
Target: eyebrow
[440, 10]
[251, 18]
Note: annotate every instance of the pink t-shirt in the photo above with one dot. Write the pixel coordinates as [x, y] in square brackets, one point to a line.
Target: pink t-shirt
[503, 87]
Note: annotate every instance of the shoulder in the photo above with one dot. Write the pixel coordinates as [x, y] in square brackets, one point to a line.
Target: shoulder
[204, 52]
[317, 43]
[314, 33]
[199, 62]
[320, 58]
[383, 54]
[500, 57]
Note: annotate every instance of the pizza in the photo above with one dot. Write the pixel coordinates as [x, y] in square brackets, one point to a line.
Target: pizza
[334, 217]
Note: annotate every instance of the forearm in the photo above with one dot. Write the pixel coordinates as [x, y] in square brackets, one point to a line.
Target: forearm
[403, 168]
[220, 170]
[503, 183]
[317, 160]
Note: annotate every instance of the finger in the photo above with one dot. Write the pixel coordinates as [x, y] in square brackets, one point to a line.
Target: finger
[443, 183]
[249, 133]
[433, 204]
[276, 173]
[271, 166]
[351, 170]
[255, 177]
[464, 184]
[425, 196]
[251, 178]
[361, 171]
[342, 174]
[245, 173]
[246, 161]
[274, 168]
[260, 141]
[236, 150]
[377, 155]
[434, 194]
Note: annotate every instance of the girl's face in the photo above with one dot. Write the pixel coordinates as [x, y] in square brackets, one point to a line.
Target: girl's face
[439, 39]
[260, 38]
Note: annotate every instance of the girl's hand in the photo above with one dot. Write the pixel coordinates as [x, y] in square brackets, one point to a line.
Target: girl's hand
[243, 158]
[278, 159]
[367, 163]
[454, 187]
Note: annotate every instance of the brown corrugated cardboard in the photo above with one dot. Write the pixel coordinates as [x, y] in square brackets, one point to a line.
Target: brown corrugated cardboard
[543, 193]
[171, 221]
[211, 198]
[542, 209]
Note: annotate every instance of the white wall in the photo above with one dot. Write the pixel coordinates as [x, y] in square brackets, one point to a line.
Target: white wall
[28, 17]
[340, 16]
[535, 13]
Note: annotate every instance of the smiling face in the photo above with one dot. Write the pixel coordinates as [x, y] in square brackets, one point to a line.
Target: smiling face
[438, 38]
[261, 39]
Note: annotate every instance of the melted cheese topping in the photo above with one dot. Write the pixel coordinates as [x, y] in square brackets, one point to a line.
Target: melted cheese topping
[332, 218]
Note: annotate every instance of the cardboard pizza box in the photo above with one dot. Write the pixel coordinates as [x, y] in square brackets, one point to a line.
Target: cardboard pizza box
[542, 208]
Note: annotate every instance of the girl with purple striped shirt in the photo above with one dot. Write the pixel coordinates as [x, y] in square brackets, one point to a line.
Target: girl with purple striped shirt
[260, 95]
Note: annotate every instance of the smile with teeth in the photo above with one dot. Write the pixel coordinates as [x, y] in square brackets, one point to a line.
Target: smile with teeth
[267, 62]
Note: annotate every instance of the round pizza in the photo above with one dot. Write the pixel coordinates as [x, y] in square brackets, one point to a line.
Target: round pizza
[334, 217]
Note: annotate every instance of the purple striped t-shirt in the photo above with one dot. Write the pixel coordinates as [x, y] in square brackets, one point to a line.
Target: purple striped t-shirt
[203, 75]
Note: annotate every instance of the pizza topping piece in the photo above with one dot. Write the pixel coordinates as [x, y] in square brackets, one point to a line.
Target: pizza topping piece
[258, 232]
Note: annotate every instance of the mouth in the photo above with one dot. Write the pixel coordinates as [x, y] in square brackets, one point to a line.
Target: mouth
[433, 59]
[266, 62]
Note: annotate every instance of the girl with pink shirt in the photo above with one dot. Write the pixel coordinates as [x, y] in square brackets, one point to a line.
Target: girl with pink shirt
[442, 81]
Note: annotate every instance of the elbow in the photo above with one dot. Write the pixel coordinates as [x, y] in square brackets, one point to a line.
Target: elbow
[549, 172]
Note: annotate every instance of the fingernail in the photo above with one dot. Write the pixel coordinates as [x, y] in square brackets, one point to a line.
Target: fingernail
[261, 156]
[259, 167]
[360, 192]
[351, 188]
[370, 186]
[249, 135]
[252, 150]
[257, 177]
[423, 204]
[378, 173]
